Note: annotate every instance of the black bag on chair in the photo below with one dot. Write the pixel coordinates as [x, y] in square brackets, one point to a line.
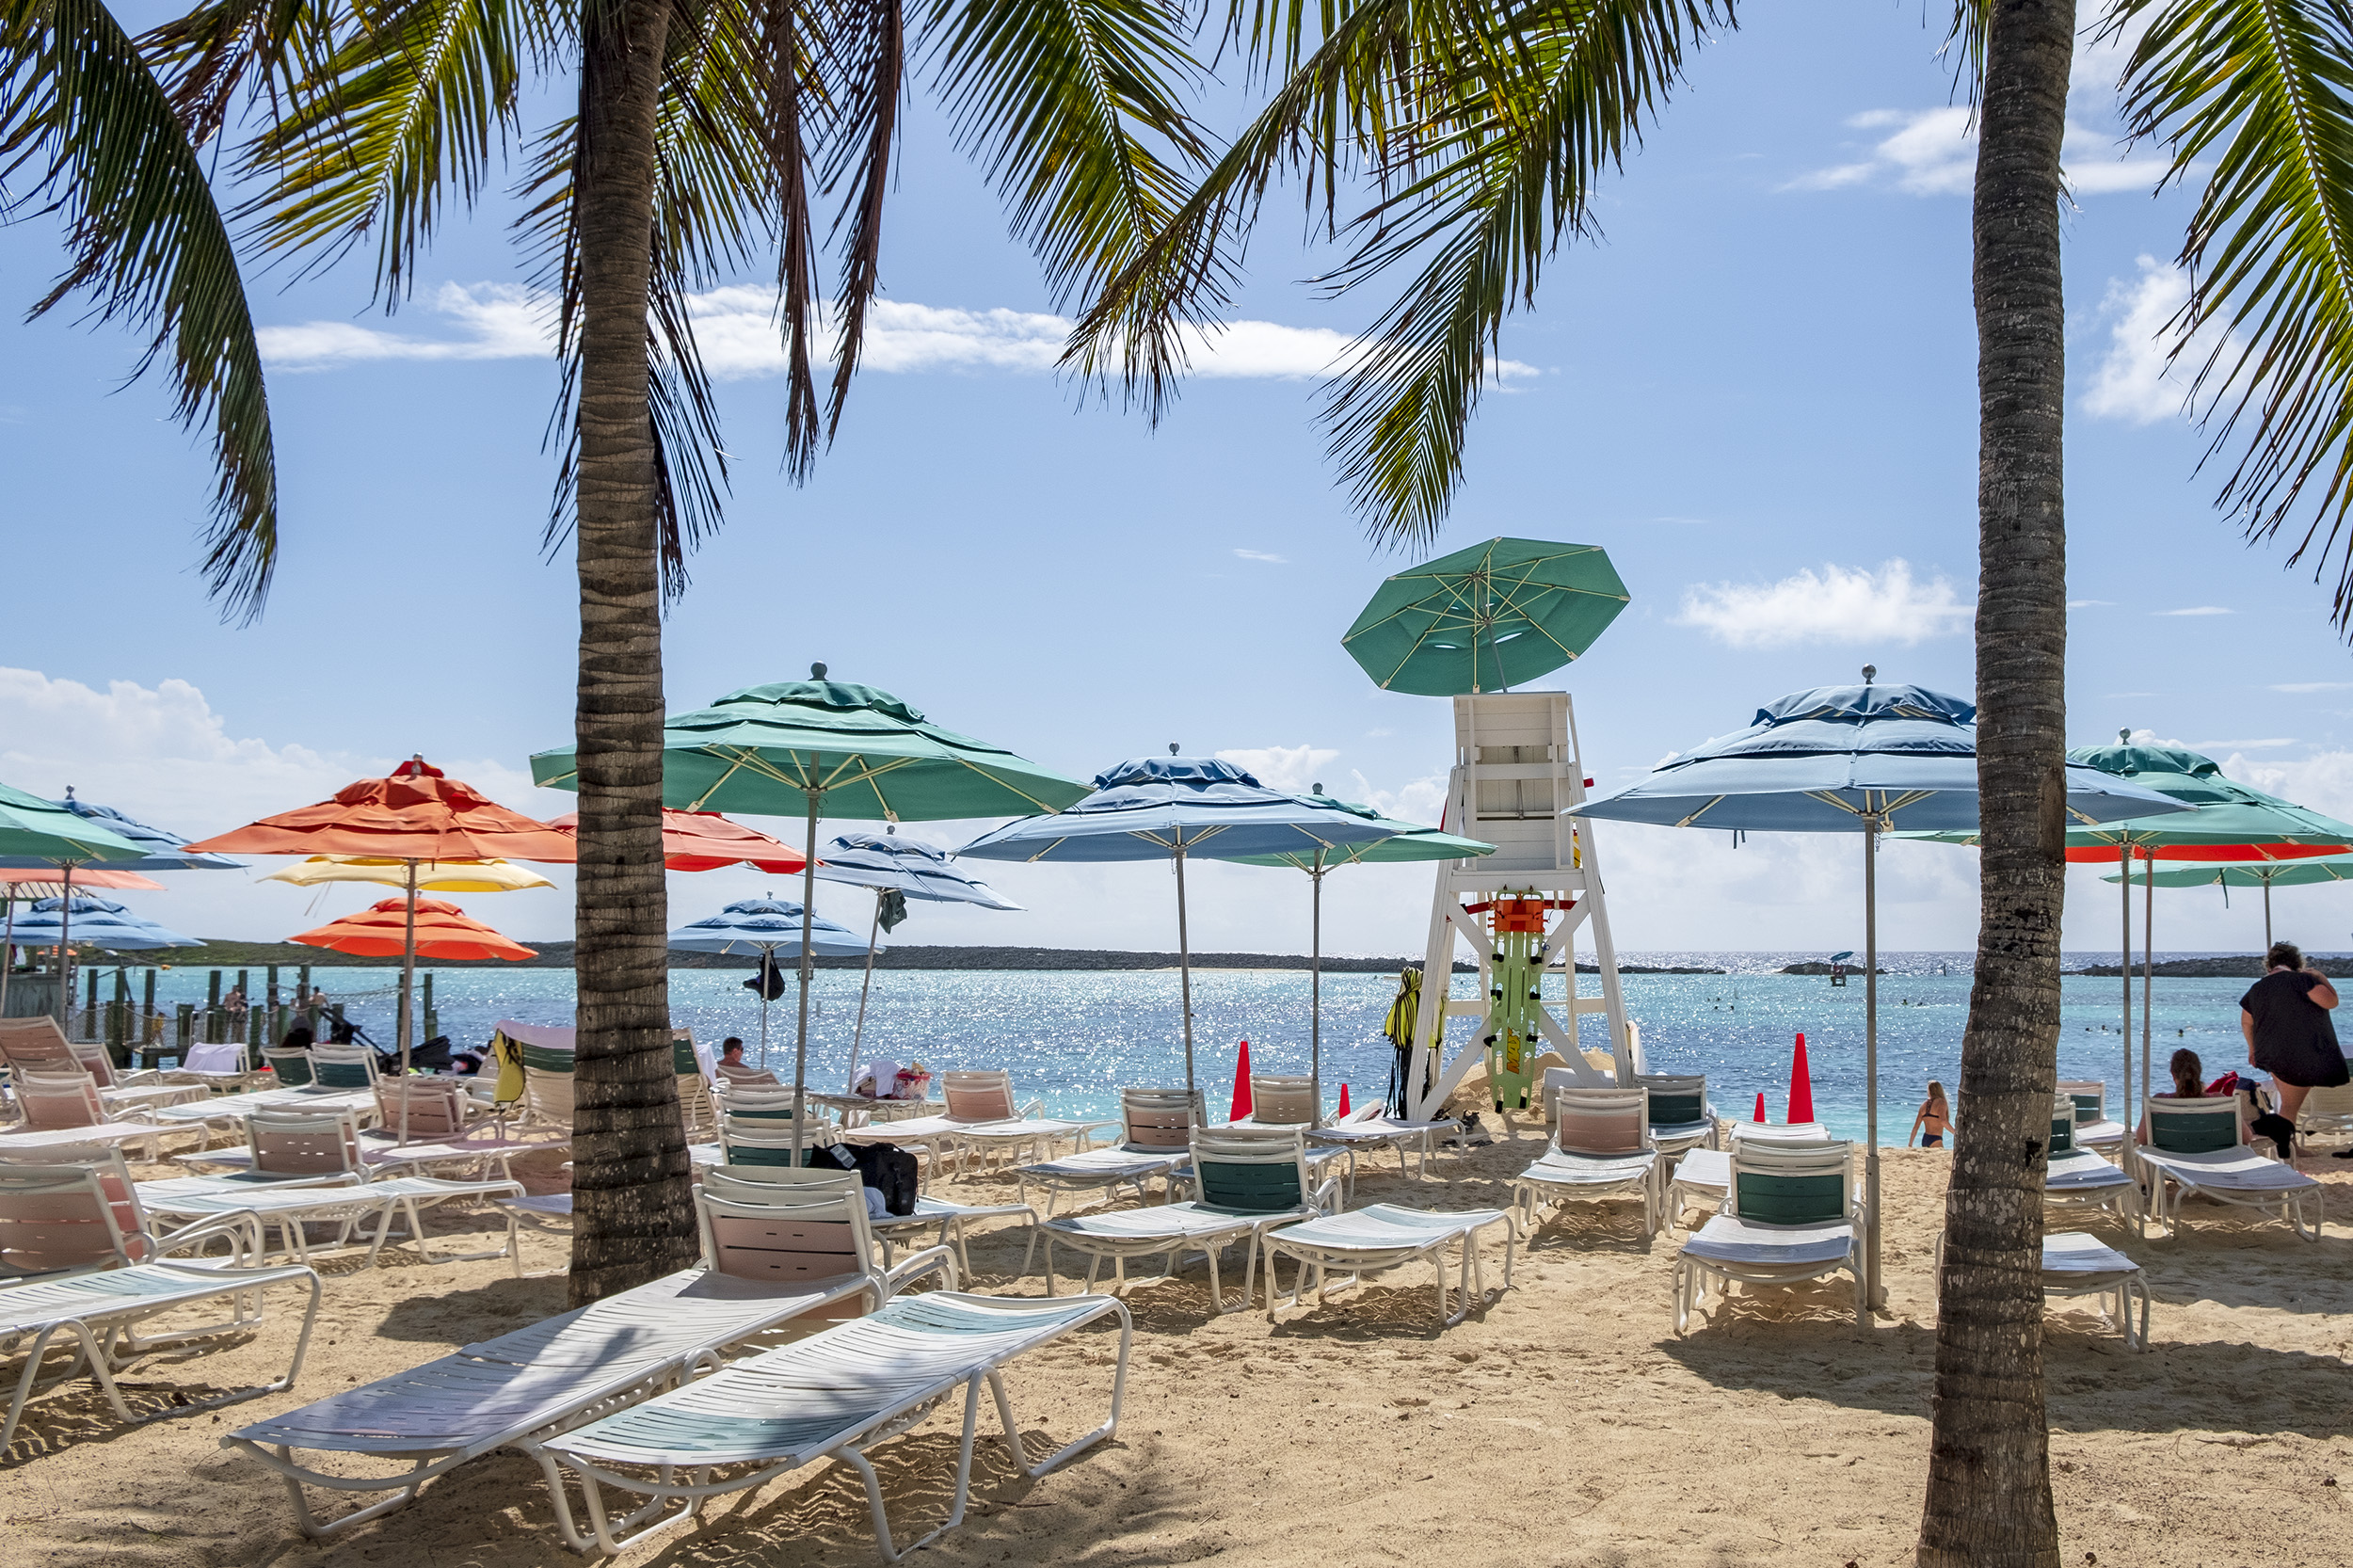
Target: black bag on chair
[892, 1171]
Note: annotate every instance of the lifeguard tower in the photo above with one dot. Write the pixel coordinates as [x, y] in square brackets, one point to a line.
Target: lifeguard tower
[1517, 768]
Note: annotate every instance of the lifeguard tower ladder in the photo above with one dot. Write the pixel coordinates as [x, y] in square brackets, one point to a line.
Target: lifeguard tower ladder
[1516, 769]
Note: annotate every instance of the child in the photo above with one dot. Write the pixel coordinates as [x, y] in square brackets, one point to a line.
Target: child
[1934, 1119]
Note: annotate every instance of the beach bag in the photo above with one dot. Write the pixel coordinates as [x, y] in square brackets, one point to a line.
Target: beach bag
[892, 1171]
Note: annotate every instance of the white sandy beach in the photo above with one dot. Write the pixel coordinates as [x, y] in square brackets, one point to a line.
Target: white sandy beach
[1563, 1424]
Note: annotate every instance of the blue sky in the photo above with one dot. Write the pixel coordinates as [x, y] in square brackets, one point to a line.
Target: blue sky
[1756, 392]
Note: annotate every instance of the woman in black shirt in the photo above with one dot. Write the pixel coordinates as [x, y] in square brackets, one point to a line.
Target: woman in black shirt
[2284, 1016]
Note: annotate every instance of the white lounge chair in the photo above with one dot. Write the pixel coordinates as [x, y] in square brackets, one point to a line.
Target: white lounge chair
[1157, 1126]
[2326, 1118]
[1386, 1235]
[83, 1275]
[1247, 1181]
[2199, 1146]
[1681, 1117]
[1701, 1175]
[522, 1389]
[2075, 1264]
[1601, 1148]
[37, 1046]
[1791, 1215]
[65, 1111]
[2077, 1178]
[223, 1067]
[835, 1394]
[2093, 1130]
[982, 1119]
[891, 1231]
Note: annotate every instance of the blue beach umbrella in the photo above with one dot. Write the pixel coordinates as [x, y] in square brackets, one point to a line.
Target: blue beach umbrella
[766, 926]
[96, 832]
[908, 867]
[1172, 808]
[1864, 759]
[101, 922]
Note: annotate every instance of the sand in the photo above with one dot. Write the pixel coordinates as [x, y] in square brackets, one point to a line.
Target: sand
[1565, 1423]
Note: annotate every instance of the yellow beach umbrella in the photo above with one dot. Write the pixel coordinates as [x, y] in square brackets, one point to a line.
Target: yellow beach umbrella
[433, 876]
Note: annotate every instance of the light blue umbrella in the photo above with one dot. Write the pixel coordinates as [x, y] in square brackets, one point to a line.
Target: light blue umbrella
[910, 868]
[1172, 808]
[101, 922]
[767, 926]
[1842, 759]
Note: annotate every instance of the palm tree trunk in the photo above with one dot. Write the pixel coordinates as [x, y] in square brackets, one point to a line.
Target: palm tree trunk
[1988, 1493]
[632, 1207]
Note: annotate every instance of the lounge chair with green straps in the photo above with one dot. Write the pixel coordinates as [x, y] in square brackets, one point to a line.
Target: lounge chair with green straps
[834, 1395]
[2077, 1178]
[2199, 1147]
[1246, 1181]
[1601, 1148]
[1680, 1115]
[2093, 1130]
[1791, 1215]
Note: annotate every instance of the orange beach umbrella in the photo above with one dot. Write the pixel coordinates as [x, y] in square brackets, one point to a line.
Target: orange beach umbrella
[444, 931]
[705, 841]
[417, 814]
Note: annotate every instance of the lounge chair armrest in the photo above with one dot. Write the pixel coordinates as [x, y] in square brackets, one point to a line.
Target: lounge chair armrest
[242, 1228]
[1089, 1130]
[1329, 1198]
[1035, 1111]
[942, 1259]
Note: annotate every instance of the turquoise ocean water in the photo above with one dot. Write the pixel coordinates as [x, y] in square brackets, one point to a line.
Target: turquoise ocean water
[1073, 1039]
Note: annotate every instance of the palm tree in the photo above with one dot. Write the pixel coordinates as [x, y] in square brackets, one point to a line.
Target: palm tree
[1480, 131]
[90, 131]
[706, 133]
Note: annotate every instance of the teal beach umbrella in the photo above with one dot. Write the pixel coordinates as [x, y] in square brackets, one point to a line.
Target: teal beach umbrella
[38, 832]
[823, 746]
[1485, 618]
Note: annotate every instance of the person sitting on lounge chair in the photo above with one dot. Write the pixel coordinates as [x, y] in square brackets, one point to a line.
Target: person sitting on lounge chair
[735, 1070]
[2189, 1083]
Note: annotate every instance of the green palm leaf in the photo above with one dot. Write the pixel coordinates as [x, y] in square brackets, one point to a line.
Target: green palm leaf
[2257, 96]
[80, 107]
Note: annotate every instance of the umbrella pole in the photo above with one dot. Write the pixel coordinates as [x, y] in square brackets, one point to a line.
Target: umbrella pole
[858, 1035]
[2267, 926]
[800, 1047]
[2124, 967]
[65, 950]
[1315, 992]
[407, 979]
[1184, 962]
[1871, 1057]
[767, 962]
[2147, 963]
[8, 954]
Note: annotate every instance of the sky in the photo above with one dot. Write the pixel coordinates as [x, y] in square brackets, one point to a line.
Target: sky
[1757, 391]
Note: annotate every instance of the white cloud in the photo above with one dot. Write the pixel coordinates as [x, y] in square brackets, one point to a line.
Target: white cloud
[2243, 745]
[736, 329]
[499, 320]
[2303, 687]
[1418, 800]
[2088, 603]
[1934, 152]
[1290, 769]
[2323, 781]
[1839, 604]
[2137, 380]
[2197, 610]
[1270, 559]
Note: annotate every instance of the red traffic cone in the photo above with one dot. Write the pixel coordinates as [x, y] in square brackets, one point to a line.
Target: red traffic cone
[1343, 1099]
[1241, 1085]
[1800, 1087]
[1760, 1106]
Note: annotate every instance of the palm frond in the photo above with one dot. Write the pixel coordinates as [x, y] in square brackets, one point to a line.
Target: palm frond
[866, 61]
[1076, 109]
[1501, 166]
[79, 106]
[411, 109]
[2258, 95]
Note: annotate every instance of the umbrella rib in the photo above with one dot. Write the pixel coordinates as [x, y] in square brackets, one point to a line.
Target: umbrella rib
[1700, 812]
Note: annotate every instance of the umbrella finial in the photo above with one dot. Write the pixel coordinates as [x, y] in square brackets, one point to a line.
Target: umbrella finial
[1319, 789]
[817, 671]
[1172, 749]
[1870, 673]
[2124, 738]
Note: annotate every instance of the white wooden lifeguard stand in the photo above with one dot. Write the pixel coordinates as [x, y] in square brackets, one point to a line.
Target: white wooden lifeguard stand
[1516, 768]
